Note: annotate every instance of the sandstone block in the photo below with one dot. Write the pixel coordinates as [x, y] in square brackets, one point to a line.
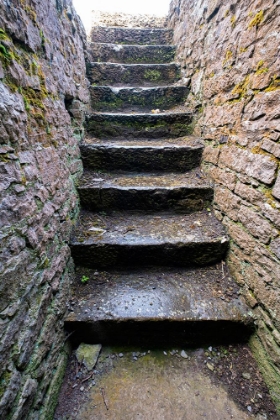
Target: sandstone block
[228, 202]
[224, 177]
[257, 166]
[248, 193]
[271, 147]
[256, 225]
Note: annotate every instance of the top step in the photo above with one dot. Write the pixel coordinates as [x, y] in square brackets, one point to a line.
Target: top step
[132, 36]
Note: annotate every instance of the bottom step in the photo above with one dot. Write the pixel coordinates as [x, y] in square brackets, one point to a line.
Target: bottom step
[187, 306]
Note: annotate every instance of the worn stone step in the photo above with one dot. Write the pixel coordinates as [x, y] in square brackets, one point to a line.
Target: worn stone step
[130, 238]
[132, 74]
[179, 155]
[131, 191]
[140, 125]
[152, 306]
[139, 36]
[108, 98]
[127, 54]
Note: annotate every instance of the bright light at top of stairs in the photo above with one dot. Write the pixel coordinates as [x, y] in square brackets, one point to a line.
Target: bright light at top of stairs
[152, 7]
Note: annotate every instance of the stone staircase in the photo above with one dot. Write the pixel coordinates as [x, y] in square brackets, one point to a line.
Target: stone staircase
[147, 246]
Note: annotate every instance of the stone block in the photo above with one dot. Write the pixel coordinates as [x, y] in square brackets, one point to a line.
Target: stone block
[271, 147]
[242, 239]
[88, 354]
[248, 193]
[271, 213]
[256, 225]
[261, 167]
[224, 177]
[228, 202]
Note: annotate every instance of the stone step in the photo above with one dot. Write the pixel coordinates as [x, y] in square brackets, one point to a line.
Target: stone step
[130, 238]
[177, 155]
[141, 125]
[139, 36]
[131, 191]
[120, 75]
[152, 306]
[127, 54]
[108, 98]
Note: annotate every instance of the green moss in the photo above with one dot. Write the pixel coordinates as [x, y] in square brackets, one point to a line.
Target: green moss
[50, 402]
[274, 85]
[6, 55]
[257, 20]
[270, 374]
[241, 88]
[233, 21]
[228, 57]
[152, 75]
[242, 50]
[4, 381]
[45, 263]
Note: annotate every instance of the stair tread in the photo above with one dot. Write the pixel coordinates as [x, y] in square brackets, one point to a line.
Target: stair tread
[181, 142]
[107, 73]
[139, 88]
[132, 229]
[150, 36]
[131, 53]
[133, 99]
[178, 110]
[200, 294]
[138, 46]
[189, 180]
[141, 65]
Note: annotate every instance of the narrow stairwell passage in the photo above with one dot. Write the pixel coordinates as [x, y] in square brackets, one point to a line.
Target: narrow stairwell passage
[146, 207]
[151, 282]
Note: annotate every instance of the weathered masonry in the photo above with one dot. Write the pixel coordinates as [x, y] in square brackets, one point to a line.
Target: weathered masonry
[227, 73]
[229, 53]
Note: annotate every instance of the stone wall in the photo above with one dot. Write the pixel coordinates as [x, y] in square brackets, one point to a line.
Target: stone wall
[42, 88]
[229, 53]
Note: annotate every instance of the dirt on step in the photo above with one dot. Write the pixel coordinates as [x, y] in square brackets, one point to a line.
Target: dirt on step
[130, 384]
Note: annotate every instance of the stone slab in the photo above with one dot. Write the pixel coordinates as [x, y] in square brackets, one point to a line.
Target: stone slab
[148, 36]
[156, 302]
[143, 191]
[107, 98]
[126, 238]
[106, 74]
[126, 54]
[177, 155]
[140, 125]
[88, 354]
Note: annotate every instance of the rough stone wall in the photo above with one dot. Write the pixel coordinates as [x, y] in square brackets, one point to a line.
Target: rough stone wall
[42, 88]
[229, 52]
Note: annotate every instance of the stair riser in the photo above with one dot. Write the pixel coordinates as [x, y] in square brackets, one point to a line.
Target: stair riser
[180, 254]
[132, 36]
[185, 200]
[139, 126]
[186, 333]
[133, 75]
[144, 159]
[106, 99]
[127, 54]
